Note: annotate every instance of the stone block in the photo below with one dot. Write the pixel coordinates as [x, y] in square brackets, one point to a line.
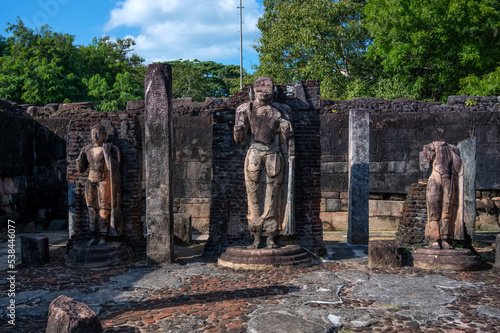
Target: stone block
[334, 221]
[384, 223]
[69, 316]
[384, 254]
[333, 195]
[34, 249]
[200, 224]
[182, 228]
[385, 208]
[334, 182]
[195, 210]
[333, 167]
[322, 205]
[332, 205]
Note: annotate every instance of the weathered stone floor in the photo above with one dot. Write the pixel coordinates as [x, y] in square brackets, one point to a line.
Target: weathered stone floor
[198, 296]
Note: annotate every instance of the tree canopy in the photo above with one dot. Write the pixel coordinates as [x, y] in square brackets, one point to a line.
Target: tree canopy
[383, 48]
[430, 45]
[320, 39]
[201, 79]
[41, 66]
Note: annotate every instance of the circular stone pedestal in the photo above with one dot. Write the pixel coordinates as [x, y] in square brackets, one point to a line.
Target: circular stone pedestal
[112, 253]
[446, 259]
[238, 257]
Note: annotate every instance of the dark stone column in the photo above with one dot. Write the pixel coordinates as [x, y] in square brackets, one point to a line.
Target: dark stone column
[497, 251]
[159, 154]
[468, 154]
[359, 159]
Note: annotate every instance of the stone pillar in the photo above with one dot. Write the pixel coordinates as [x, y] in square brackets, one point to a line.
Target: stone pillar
[468, 154]
[497, 251]
[159, 154]
[359, 161]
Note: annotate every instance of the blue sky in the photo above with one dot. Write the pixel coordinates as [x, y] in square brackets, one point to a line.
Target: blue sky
[163, 29]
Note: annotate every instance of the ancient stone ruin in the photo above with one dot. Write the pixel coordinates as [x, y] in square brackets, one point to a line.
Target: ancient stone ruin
[125, 184]
[208, 186]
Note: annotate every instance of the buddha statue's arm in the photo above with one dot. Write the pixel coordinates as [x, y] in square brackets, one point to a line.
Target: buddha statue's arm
[241, 123]
[82, 162]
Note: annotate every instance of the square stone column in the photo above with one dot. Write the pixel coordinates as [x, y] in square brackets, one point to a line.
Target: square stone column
[497, 251]
[468, 155]
[159, 154]
[359, 162]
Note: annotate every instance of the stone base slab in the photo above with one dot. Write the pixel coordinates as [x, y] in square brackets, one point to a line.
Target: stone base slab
[446, 259]
[239, 257]
[110, 254]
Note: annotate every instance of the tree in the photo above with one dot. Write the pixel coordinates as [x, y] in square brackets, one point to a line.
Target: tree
[320, 39]
[113, 76]
[201, 79]
[487, 85]
[41, 66]
[426, 47]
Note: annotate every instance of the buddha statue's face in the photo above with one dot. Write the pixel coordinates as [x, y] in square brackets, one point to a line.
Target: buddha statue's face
[98, 135]
[264, 89]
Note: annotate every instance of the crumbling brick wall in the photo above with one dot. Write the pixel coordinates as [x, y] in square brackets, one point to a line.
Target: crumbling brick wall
[124, 131]
[411, 230]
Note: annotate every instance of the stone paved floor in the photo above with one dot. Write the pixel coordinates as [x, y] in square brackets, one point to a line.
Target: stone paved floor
[195, 295]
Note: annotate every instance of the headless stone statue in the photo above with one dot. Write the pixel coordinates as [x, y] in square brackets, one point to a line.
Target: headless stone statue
[444, 209]
[268, 163]
[103, 187]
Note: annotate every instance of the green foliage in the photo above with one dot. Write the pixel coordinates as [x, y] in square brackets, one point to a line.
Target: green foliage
[41, 66]
[320, 39]
[428, 46]
[201, 79]
[487, 85]
[38, 67]
[470, 102]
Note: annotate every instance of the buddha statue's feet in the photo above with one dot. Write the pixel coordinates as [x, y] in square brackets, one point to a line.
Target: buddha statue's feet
[271, 244]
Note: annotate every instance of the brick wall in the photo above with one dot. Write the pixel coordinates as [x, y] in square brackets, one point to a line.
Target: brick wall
[411, 230]
[124, 131]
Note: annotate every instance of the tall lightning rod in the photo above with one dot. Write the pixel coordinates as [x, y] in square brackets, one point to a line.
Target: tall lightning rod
[241, 45]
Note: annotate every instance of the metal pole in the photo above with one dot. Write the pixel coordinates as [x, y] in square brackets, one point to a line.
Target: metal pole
[241, 45]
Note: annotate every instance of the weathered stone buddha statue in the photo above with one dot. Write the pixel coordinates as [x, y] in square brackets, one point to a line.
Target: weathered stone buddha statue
[444, 199]
[103, 187]
[268, 164]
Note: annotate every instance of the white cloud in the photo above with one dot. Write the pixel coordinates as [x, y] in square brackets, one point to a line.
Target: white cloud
[188, 29]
